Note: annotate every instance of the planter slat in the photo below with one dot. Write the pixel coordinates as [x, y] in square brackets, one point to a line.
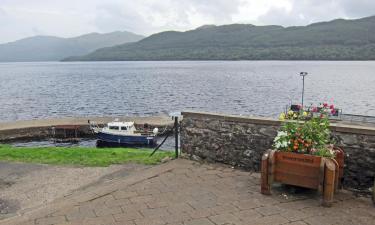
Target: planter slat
[297, 180]
[298, 159]
[297, 169]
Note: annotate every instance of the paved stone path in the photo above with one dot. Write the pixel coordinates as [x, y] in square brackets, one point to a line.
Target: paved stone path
[183, 192]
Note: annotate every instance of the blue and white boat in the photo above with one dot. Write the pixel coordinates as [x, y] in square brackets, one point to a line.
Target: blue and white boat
[124, 134]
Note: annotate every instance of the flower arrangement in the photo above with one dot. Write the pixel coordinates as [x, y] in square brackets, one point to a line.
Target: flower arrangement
[306, 132]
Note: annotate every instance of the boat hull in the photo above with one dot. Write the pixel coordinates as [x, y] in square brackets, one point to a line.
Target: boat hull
[113, 140]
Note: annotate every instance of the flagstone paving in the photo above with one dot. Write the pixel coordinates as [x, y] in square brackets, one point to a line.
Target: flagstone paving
[183, 192]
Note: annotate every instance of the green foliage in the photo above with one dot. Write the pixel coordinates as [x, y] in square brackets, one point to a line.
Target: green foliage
[311, 136]
[335, 40]
[80, 155]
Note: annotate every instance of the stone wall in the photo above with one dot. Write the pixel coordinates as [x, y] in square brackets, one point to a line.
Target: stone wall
[241, 141]
[45, 132]
[37, 133]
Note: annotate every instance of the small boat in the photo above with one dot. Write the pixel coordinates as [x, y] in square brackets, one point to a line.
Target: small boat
[124, 134]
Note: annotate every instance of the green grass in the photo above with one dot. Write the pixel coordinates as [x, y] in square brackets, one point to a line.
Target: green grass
[84, 156]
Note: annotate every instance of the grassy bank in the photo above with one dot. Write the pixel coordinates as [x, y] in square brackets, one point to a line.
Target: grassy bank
[83, 156]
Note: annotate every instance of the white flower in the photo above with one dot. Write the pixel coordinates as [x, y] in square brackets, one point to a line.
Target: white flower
[282, 134]
[284, 144]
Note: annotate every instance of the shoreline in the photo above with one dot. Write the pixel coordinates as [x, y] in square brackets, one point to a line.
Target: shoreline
[42, 128]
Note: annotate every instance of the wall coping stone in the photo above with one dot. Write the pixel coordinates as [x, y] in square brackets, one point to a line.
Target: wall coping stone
[344, 128]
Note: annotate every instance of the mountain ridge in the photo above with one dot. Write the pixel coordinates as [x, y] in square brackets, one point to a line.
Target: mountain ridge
[52, 48]
[333, 40]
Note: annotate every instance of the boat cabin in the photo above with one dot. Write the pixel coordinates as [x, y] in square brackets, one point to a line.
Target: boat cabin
[121, 126]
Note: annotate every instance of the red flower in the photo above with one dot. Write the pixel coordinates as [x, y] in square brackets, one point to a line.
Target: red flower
[332, 106]
[333, 111]
[325, 105]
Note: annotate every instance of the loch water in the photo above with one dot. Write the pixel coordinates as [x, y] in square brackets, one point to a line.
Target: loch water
[38, 90]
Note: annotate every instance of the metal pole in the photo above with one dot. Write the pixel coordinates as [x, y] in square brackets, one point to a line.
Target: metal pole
[303, 88]
[303, 74]
[176, 135]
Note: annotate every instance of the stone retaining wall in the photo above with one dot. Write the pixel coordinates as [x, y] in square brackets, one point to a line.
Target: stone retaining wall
[42, 129]
[241, 141]
[38, 133]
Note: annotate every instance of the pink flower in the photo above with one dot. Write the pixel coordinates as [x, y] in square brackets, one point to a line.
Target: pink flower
[332, 106]
[314, 109]
[325, 105]
[333, 111]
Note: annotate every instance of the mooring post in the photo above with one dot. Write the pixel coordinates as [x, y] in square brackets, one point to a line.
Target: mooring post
[176, 135]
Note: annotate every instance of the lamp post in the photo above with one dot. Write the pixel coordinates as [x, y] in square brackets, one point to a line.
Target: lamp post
[303, 74]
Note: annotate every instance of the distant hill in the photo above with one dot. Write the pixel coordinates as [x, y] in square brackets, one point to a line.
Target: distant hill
[49, 48]
[335, 40]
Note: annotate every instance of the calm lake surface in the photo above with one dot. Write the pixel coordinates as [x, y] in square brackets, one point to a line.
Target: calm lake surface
[60, 89]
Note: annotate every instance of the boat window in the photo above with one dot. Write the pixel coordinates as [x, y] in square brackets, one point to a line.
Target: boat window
[113, 127]
[124, 128]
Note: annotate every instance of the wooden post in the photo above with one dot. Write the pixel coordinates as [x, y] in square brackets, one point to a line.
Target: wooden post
[271, 166]
[265, 186]
[329, 182]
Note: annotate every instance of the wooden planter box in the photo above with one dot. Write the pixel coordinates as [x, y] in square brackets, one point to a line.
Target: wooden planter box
[302, 170]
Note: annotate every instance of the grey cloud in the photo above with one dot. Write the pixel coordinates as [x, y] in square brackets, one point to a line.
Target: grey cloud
[18, 18]
[277, 16]
[303, 12]
[3, 14]
[221, 10]
[358, 8]
[307, 11]
[121, 16]
[110, 17]
[37, 31]
[2, 17]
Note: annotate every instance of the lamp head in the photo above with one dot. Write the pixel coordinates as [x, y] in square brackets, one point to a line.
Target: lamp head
[302, 74]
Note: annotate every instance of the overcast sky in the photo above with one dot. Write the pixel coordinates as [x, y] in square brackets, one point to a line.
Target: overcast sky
[67, 18]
